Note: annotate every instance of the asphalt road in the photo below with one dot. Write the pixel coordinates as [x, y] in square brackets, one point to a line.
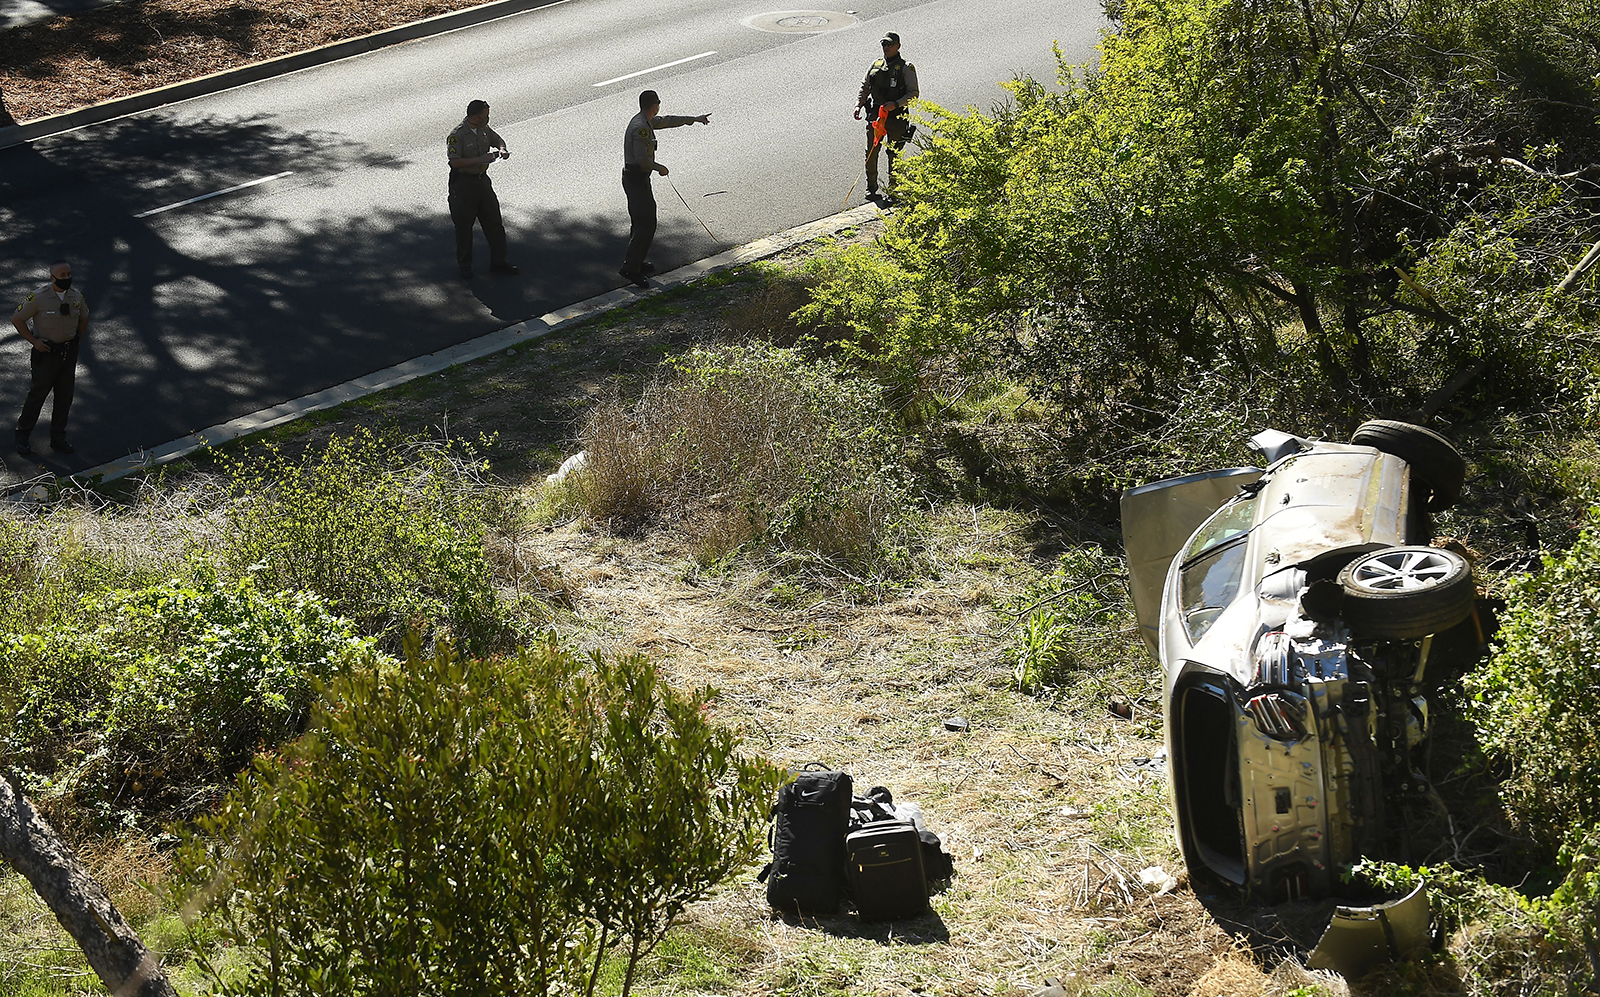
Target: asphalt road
[344, 262]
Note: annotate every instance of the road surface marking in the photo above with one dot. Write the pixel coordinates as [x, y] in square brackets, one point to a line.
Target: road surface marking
[664, 65]
[215, 193]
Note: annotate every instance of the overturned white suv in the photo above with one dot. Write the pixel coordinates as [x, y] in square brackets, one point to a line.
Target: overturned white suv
[1295, 610]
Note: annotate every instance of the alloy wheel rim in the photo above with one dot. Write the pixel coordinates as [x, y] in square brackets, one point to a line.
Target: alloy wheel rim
[1403, 570]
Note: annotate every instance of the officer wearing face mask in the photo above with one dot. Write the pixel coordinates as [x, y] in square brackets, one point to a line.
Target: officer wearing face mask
[891, 85]
[60, 319]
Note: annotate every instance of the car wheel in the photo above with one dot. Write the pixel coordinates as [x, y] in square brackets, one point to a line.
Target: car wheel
[1433, 459]
[1407, 592]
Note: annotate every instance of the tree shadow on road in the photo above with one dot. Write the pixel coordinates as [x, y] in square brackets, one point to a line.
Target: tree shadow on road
[203, 314]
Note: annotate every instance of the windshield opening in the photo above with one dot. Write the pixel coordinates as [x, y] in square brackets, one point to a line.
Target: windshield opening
[1208, 585]
[1230, 521]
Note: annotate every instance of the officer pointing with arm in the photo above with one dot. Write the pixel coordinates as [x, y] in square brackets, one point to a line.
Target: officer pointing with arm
[891, 85]
[638, 166]
[470, 149]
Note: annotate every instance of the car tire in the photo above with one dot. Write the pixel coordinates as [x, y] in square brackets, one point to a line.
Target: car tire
[1433, 459]
[1407, 592]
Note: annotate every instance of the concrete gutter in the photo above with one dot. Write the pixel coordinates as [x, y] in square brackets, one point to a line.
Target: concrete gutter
[474, 349]
[257, 71]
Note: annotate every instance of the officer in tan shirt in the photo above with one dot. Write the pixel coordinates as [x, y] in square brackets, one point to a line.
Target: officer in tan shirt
[60, 320]
[638, 165]
[470, 149]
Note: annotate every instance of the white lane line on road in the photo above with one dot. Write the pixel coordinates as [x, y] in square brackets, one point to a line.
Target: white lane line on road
[215, 193]
[664, 65]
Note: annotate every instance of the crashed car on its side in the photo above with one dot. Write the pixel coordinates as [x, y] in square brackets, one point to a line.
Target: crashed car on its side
[1297, 614]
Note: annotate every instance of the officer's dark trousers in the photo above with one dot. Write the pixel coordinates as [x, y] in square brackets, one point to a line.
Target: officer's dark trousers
[891, 145]
[642, 215]
[472, 200]
[52, 372]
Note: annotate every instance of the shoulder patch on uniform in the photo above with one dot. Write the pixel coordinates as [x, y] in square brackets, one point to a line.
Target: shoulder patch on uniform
[29, 298]
[910, 66]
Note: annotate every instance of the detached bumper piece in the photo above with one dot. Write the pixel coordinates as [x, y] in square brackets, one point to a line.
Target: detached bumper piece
[1359, 938]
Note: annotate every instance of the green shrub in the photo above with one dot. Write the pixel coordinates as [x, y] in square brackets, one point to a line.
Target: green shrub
[1075, 619]
[53, 556]
[465, 826]
[394, 538]
[151, 693]
[753, 445]
[1536, 702]
[1249, 186]
[1501, 941]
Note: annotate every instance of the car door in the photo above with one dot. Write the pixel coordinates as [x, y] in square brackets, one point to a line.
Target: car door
[1157, 519]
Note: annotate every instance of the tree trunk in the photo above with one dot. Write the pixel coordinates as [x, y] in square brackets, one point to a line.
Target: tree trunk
[114, 951]
[1305, 300]
[6, 119]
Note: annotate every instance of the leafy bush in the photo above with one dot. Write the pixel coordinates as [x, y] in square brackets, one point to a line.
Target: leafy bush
[1534, 702]
[747, 444]
[1237, 187]
[1075, 619]
[460, 826]
[1499, 940]
[394, 538]
[150, 694]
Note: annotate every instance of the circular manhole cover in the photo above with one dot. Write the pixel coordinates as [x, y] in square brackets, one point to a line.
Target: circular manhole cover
[800, 22]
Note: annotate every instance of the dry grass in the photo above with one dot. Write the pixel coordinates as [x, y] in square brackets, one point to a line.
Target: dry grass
[767, 314]
[69, 62]
[740, 444]
[1040, 804]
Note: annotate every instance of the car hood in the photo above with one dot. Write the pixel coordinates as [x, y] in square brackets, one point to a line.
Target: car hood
[1312, 503]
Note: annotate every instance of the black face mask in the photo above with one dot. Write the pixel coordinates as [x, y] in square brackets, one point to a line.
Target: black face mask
[63, 283]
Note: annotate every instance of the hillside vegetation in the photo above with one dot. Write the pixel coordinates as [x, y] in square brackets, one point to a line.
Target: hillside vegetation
[381, 710]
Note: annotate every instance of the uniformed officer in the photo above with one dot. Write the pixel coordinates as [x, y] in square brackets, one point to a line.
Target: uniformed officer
[60, 320]
[472, 147]
[638, 165]
[891, 83]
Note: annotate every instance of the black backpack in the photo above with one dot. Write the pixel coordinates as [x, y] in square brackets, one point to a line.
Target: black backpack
[809, 823]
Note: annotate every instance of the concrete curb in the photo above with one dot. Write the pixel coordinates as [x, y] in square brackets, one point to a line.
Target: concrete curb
[473, 349]
[257, 71]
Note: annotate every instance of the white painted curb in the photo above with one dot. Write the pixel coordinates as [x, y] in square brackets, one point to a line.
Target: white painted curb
[473, 349]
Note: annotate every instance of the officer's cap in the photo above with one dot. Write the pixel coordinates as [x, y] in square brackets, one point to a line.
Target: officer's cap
[890, 39]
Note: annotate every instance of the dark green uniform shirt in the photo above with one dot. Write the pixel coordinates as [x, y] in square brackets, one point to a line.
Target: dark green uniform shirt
[889, 79]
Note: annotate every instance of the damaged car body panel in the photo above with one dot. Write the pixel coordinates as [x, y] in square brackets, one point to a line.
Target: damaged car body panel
[1292, 686]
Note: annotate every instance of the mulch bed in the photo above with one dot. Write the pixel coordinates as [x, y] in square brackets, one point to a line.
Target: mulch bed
[69, 62]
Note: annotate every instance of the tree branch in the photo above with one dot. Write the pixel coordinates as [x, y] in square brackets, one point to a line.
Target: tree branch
[112, 948]
[1288, 297]
[1436, 401]
[1577, 271]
